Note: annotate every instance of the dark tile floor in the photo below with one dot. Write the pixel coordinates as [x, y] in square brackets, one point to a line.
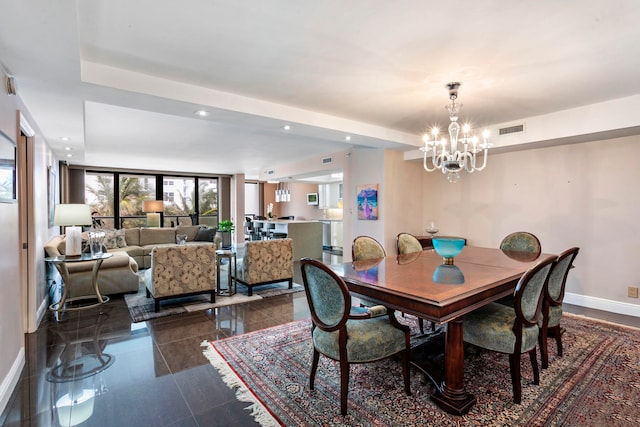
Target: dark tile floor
[151, 373]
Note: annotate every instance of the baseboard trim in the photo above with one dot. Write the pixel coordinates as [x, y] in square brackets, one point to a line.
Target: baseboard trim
[603, 304]
[11, 380]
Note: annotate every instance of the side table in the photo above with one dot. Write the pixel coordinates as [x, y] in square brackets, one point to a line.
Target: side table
[231, 283]
[61, 265]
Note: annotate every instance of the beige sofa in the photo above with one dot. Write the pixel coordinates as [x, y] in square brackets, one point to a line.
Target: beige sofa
[141, 241]
[179, 271]
[132, 251]
[117, 274]
[266, 261]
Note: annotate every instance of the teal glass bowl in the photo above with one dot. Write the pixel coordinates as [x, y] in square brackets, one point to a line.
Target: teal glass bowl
[448, 248]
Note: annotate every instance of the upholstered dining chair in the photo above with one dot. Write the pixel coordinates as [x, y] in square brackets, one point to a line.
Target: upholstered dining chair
[406, 244]
[552, 306]
[521, 245]
[349, 334]
[513, 330]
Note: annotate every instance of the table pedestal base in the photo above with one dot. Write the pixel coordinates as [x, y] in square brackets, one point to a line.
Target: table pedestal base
[454, 404]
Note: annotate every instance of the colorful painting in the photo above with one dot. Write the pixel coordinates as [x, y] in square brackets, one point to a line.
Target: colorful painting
[368, 201]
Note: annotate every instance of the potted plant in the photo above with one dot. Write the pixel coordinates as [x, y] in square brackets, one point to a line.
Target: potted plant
[225, 228]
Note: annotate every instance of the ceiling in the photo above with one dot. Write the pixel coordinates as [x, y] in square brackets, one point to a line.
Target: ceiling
[122, 79]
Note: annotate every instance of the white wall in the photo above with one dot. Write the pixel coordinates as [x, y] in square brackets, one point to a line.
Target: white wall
[572, 195]
[11, 306]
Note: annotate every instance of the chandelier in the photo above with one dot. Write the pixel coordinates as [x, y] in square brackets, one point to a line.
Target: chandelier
[448, 156]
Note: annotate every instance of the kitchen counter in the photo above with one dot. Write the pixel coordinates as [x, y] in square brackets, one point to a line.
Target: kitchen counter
[306, 235]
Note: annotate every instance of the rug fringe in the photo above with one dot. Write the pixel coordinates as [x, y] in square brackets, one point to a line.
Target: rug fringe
[257, 410]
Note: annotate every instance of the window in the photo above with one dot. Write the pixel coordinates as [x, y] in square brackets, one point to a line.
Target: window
[98, 195]
[183, 204]
[134, 189]
[208, 201]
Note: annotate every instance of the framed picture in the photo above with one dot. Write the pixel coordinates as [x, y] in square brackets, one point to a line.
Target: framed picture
[367, 200]
[7, 169]
[51, 195]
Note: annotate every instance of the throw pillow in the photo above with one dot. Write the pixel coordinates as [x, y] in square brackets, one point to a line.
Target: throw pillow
[121, 241]
[110, 240]
[205, 235]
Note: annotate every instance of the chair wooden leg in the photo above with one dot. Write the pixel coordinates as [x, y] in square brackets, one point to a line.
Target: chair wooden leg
[314, 367]
[344, 385]
[421, 324]
[406, 371]
[514, 367]
[534, 365]
[557, 332]
[544, 350]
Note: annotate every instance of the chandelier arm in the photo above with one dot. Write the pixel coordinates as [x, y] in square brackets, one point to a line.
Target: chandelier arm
[484, 160]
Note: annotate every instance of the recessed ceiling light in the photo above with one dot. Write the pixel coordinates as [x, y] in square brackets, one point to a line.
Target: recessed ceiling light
[67, 148]
[201, 113]
[65, 138]
[286, 127]
[69, 155]
[348, 138]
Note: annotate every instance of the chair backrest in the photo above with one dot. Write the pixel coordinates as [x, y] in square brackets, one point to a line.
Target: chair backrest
[327, 294]
[530, 291]
[558, 276]
[521, 241]
[365, 247]
[407, 243]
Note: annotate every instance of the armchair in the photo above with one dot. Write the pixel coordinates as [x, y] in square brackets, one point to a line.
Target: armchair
[349, 334]
[180, 271]
[266, 261]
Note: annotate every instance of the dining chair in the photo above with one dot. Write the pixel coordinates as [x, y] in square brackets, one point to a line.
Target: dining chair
[521, 245]
[349, 334]
[366, 248]
[552, 305]
[513, 330]
[405, 244]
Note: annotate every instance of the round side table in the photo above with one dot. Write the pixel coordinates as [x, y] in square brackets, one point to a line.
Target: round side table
[61, 265]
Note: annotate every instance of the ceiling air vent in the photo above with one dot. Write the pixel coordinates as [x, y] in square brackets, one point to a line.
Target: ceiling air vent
[271, 172]
[327, 160]
[511, 129]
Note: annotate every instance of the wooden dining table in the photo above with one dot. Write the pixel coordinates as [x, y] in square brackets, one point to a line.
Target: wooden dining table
[419, 284]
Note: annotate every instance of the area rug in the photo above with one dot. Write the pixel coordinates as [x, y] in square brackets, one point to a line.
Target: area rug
[141, 308]
[596, 383]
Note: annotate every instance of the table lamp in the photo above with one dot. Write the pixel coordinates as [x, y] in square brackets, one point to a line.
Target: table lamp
[72, 216]
[152, 209]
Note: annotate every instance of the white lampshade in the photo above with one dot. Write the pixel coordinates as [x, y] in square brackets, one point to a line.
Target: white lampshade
[72, 214]
[153, 206]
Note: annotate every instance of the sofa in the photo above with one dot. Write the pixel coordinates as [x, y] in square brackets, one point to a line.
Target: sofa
[132, 251]
[180, 271]
[264, 262]
[117, 274]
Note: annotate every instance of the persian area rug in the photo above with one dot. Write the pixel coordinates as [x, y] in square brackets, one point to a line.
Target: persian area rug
[141, 308]
[595, 383]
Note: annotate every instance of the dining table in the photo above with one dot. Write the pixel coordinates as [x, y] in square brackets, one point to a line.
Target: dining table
[421, 284]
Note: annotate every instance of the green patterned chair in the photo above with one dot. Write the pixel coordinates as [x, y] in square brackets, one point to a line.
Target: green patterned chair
[180, 271]
[552, 306]
[513, 330]
[349, 334]
[521, 245]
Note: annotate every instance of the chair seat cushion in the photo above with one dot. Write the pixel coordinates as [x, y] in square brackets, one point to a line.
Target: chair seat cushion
[369, 339]
[491, 327]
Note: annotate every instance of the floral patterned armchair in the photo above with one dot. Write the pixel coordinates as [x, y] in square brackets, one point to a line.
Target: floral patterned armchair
[266, 261]
[181, 270]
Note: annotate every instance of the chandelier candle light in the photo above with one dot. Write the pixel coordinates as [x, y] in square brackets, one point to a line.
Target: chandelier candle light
[446, 155]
